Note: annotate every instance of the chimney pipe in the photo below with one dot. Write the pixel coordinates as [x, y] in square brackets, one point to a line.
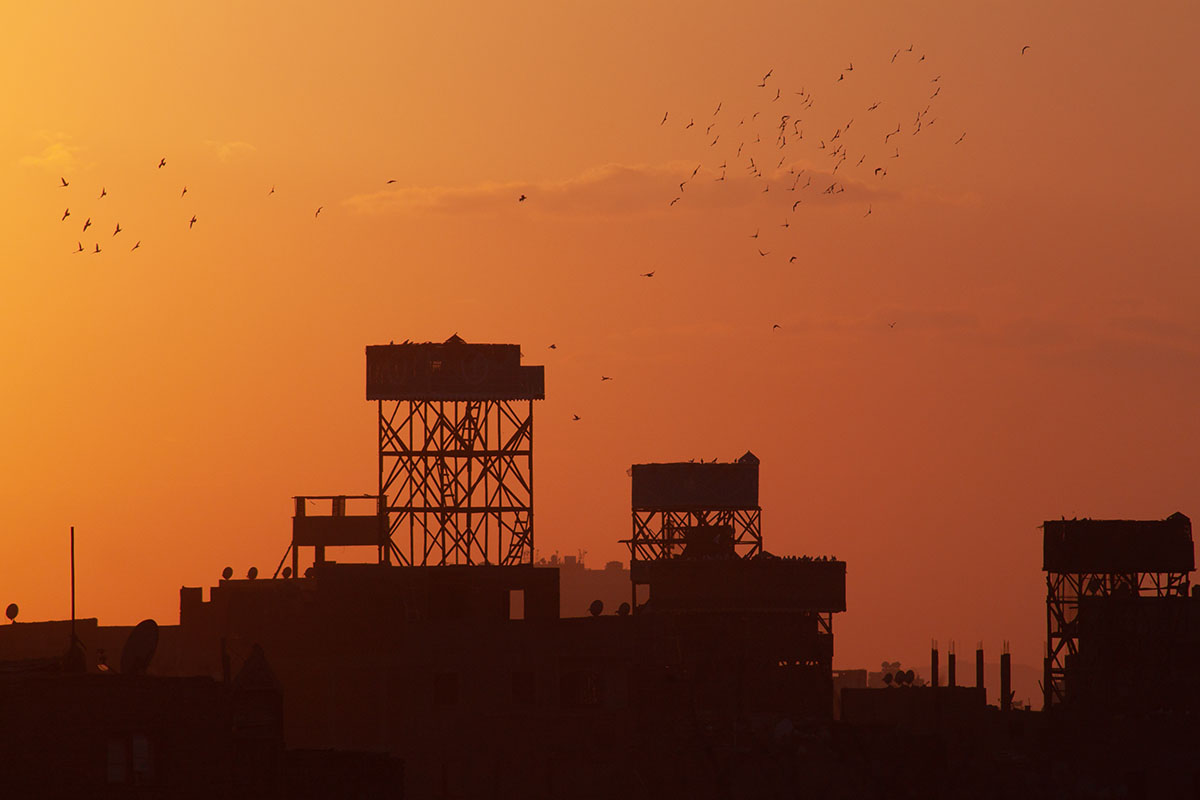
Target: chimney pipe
[1005, 680]
[979, 670]
[933, 664]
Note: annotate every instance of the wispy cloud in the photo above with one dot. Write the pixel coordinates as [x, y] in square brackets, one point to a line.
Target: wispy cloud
[227, 151]
[57, 156]
[617, 189]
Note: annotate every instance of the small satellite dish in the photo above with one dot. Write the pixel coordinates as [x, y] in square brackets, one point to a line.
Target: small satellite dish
[12, 611]
[139, 648]
[623, 610]
[596, 608]
[287, 572]
[252, 573]
[227, 573]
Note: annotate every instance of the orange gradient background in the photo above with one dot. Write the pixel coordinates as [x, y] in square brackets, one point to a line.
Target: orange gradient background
[1041, 275]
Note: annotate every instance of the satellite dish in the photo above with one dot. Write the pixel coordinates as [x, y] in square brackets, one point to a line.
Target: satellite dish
[227, 573]
[12, 611]
[252, 573]
[287, 572]
[596, 608]
[139, 648]
[623, 610]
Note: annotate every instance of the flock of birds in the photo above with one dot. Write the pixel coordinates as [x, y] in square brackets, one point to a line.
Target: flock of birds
[777, 161]
[96, 249]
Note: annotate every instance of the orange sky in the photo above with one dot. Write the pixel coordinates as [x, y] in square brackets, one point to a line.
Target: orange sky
[1041, 275]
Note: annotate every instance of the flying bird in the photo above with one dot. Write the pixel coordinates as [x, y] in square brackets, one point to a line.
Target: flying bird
[604, 378]
[64, 183]
[873, 106]
[718, 109]
[391, 180]
[664, 119]
[691, 122]
[117, 229]
[521, 199]
[673, 202]
[181, 194]
[796, 204]
[1023, 49]
[776, 325]
[891, 324]
[575, 418]
[649, 274]
[86, 224]
[553, 347]
[868, 211]
[192, 222]
[755, 235]
[103, 192]
[80, 248]
[764, 253]
[894, 57]
[136, 245]
[318, 212]
[162, 162]
[97, 250]
[66, 214]
[790, 260]
[271, 192]
[959, 139]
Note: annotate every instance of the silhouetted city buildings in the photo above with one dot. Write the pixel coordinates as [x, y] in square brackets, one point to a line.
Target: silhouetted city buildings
[447, 663]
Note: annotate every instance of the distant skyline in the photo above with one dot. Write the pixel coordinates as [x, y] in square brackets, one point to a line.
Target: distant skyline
[999, 331]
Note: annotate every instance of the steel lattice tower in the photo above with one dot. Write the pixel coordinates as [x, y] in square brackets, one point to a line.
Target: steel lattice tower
[675, 506]
[1105, 558]
[455, 451]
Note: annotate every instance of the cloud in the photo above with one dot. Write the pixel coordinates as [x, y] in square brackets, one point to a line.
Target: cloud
[57, 156]
[226, 151]
[620, 189]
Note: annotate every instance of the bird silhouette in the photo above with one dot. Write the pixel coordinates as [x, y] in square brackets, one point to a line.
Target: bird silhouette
[97, 250]
[790, 260]
[66, 214]
[391, 180]
[192, 222]
[673, 202]
[776, 326]
[959, 139]
[64, 183]
[764, 252]
[87, 223]
[891, 324]
[521, 199]
[181, 194]
[318, 212]
[80, 248]
[664, 119]
[868, 212]
[1023, 49]
[649, 274]
[162, 162]
[136, 245]
[553, 347]
[575, 418]
[103, 192]
[271, 192]
[117, 229]
[604, 378]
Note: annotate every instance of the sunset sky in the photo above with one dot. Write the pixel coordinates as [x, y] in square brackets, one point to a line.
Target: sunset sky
[996, 332]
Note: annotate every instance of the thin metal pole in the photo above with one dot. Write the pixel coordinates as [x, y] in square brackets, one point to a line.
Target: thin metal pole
[72, 583]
